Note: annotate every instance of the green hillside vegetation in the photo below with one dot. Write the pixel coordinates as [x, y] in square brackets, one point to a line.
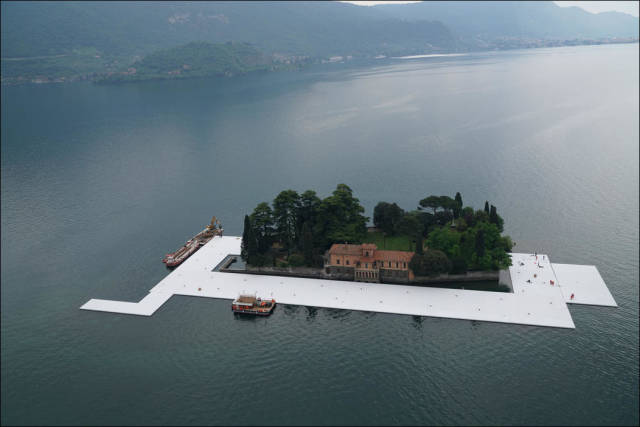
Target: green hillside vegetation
[197, 59]
[139, 28]
[49, 40]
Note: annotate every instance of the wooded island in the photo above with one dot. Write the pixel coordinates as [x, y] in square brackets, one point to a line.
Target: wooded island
[440, 236]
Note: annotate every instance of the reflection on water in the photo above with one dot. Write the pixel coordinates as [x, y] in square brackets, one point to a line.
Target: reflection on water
[311, 312]
[417, 321]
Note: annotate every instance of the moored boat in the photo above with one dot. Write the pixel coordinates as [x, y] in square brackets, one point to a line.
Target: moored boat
[176, 258]
[249, 304]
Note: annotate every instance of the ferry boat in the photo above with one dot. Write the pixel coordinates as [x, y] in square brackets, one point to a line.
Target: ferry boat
[249, 304]
[176, 258]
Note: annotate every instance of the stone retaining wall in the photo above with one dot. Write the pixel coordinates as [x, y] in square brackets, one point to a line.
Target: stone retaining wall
[346, 273]
[471, 276]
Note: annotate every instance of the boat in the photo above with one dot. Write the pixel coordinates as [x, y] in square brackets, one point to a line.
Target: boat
[176, 258]
[249, 304]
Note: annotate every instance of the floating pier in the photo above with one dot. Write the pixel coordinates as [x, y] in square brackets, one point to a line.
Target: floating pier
[541, 291]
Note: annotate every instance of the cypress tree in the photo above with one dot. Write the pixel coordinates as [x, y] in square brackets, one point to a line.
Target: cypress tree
[457, 208]
[493, 216]
[486, 207]
[307, 245]
[245, 238]
[249, 243]
[419, 249]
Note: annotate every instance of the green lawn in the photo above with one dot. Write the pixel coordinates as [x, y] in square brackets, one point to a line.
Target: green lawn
[391, 243]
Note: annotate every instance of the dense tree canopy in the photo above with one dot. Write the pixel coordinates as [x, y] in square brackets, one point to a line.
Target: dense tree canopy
[305, 226]
[340, 218]
[411, 225]
[387, 216]
[286, 210]
[432, 262]
[457, 237]
[262, 223]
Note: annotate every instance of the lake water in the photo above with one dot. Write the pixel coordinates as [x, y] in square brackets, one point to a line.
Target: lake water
[99, 182]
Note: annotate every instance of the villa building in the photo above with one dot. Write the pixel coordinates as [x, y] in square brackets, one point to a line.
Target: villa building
[365, 263]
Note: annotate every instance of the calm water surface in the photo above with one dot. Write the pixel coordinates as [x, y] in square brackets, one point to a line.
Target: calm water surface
[99, 182]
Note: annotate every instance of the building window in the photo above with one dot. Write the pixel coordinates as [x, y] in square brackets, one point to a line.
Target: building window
[347, 262]
[397, 264]
[367, 253]
[389, 264]
[337, 261]
[374, 264]
[404, 264]
[366, 265]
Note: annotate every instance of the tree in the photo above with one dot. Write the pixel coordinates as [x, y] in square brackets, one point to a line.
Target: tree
[307, 211]
[461, 224]
[436, 262]
[411, 226]
[296, 260]
[307, 244]
[446, 240]
[419, 245]
[432, 202]
[480, 216]
[458, 206]
[447, 204]
[480, 242]
[427, 219]
[443, 217]
[340, 218]
[493, 215]
[486, 207]
[432, 262]
[467, 215]
[507, 243]
[386, 216]
[262, 220]
[249, 245]
[285, 213]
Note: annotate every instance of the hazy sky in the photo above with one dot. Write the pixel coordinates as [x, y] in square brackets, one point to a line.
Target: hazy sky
[630, 7]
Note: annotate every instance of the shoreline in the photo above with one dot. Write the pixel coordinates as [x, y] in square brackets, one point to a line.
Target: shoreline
[97, 77]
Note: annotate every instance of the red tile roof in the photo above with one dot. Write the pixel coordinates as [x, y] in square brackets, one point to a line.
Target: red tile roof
[393, 256]
[377, 255]
[345, 249]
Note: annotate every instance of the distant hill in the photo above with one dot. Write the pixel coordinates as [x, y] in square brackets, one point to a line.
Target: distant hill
[138, 28]
[71, 40]
[530, 19]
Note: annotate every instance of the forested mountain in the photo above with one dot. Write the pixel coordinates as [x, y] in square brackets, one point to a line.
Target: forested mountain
[137, 28]
[62, 41]
[530, 19]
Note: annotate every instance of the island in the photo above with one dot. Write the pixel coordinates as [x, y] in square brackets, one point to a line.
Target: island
[441, 241]
[307, 251]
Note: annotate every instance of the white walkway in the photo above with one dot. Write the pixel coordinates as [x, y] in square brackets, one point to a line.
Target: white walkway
[536, 303]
